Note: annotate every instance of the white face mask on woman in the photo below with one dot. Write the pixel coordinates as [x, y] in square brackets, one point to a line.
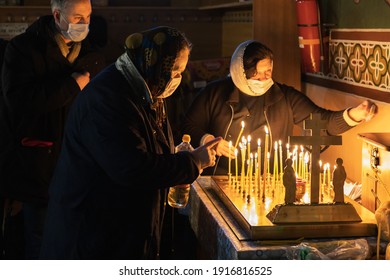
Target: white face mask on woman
[76, 31]
[171, 87]
[259, 87]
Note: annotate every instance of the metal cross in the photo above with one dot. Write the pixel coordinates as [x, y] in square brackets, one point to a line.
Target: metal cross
[316, 125]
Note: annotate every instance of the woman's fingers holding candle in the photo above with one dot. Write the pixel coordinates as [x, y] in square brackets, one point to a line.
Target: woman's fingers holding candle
[225, 149]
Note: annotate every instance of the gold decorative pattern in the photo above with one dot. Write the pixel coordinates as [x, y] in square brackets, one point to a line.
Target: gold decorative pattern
[360, 58]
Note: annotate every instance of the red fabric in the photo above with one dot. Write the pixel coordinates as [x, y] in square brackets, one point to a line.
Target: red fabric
[29, 142]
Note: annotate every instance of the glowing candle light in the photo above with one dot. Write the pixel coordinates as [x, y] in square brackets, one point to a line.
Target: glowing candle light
[276, 164]
[295, 158]
[230, 158]
[240, 133]
[268, 169]
[280, 158]
[250, 169]
[324, 175]
[328, 171]
[301, 163]
[243, 153]
[288, 150]
[249, 146]
[306, 166]
[321, 179]
[265, 160]
[258, 159]
[236, 162]
[256, 169]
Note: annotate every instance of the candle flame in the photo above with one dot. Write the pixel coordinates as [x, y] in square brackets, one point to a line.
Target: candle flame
[306, 157]
[266, 129]
[259, 142]
[242, 124]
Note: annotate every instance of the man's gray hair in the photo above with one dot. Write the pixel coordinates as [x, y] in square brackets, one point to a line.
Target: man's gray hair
[60, 4]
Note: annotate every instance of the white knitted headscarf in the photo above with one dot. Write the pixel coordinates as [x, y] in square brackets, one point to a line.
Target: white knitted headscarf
[237, 71]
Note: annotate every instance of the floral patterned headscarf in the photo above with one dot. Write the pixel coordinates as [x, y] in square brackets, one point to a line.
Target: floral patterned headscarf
[154, 52]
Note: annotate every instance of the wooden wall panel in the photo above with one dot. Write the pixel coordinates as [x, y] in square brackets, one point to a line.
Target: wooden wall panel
[202, 27]
[237, 26]
[275, 25]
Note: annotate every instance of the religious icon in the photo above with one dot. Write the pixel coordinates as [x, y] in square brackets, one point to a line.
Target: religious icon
[289, 182]
[339, 176]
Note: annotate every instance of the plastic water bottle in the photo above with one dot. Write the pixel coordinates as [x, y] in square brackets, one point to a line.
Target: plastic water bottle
[178, 195]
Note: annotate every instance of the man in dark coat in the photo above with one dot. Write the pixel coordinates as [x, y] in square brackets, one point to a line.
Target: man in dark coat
[44, 70]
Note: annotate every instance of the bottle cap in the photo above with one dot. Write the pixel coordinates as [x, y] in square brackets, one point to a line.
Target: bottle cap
[186, 138]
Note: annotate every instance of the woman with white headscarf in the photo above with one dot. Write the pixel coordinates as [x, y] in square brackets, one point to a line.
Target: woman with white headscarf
[250, 94]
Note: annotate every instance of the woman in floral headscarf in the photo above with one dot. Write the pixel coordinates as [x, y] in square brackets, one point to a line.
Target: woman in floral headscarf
[108, 191]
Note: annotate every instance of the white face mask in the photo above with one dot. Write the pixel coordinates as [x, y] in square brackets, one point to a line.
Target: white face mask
[171, 87]
[76, 31]
[259, 87]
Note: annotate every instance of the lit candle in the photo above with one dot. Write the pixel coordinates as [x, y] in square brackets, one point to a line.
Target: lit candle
[328, 171]
[295, 156]
[256, 163]
[239, 135]
[250, 169]
[268, 169]
[265, 149]
[288, 150]
[249, 146]
[306, 166]
[243, 153]
[324, 175]
[265, 161]
[276, 164]
[230, 158]
[301, 163]
[236, 162]
[280, 157]
[258, 158]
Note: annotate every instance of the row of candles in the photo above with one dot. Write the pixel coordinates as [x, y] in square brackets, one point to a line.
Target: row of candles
[250, 172]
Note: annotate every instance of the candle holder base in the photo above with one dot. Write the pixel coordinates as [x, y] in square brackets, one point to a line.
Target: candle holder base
[250, 213]
[313, 213]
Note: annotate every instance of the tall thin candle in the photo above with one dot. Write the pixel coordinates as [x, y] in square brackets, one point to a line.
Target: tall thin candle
[276, 164]
[236, 162]
[258, 158]
[249, 146]
[288, 150]
[265, 160]
[240, 133]
[230, 158]
[280, 158]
